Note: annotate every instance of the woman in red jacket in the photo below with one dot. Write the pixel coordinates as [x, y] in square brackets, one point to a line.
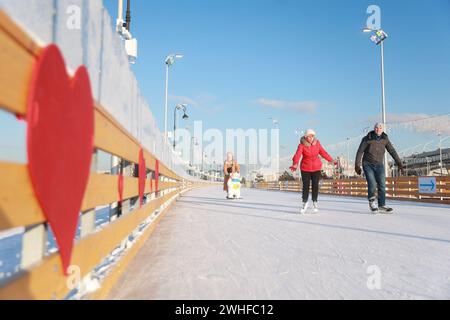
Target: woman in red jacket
[309, 150]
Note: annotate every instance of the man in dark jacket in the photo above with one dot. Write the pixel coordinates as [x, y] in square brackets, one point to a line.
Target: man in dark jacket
[372, 150]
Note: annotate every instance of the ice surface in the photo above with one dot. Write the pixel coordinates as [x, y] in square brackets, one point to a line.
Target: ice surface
[259, 247]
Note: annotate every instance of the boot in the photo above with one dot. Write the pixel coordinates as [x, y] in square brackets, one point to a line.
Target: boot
[304, 207]
[315, 206]
[372, 205]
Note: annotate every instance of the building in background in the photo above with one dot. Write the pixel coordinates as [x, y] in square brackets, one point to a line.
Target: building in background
[425, 164]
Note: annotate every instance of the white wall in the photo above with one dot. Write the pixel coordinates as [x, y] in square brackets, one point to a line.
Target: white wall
[100, 48]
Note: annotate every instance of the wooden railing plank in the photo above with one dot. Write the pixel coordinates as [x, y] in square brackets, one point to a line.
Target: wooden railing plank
[46, 281]
[16, 33]
[19, 207]
[16, 63]
[110, 138]
[402, 188]
[18, 204]
[16, 68]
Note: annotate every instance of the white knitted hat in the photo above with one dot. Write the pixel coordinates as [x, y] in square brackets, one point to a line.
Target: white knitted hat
[310, 132]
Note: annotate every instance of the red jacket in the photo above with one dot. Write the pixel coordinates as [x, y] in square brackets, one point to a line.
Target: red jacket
[310, 152]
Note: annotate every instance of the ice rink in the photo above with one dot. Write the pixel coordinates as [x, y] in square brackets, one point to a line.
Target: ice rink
[260, 247]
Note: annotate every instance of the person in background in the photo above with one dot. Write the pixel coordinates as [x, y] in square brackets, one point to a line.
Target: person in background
[309, 150]
[371, 151]
[230, 166]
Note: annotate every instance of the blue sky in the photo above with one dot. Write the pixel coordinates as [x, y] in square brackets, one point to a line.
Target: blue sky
[306, 63]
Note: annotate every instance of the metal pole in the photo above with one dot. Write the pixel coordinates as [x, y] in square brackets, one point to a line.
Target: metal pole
[191, 155]
[174, 126]
[440, 152]
[120, 10]
[128, 16]
[165, 108]
[348, 158]
[383, 104]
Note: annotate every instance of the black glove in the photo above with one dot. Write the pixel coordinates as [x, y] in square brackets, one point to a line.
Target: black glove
[358, 170]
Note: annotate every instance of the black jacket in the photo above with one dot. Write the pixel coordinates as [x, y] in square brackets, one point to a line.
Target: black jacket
[372, 149]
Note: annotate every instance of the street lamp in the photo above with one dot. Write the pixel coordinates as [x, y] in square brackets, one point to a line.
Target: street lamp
[299, 132]
[378, 38]
[275, 122]
[181, 106]
[170, 60]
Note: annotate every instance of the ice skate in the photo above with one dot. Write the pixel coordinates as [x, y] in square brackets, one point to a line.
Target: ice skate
[385, 209]
[315, 207]
[373, 206]
[304, 208]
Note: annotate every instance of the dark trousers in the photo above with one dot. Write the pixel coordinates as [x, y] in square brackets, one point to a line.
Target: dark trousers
[307, 178]
[376, 179]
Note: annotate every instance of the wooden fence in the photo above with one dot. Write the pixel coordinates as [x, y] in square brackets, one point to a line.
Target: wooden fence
[401, 188]
[41, 275]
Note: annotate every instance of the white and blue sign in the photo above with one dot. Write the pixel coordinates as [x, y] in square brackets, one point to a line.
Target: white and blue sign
[427, 184]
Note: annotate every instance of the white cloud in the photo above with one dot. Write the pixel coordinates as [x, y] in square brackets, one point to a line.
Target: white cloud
[417, 122]
[299, 106]
[184, 99]
[204, 102]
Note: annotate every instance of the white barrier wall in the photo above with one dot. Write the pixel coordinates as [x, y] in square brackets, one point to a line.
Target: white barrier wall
[96, 45]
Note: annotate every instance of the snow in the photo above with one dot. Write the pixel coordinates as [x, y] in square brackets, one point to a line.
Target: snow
[10, 246]
[11, 232]
[259, 247]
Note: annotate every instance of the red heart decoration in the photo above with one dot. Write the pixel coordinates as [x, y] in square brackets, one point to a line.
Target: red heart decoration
[156, 175]
[60, 138]
[121, 188]
[142, 176]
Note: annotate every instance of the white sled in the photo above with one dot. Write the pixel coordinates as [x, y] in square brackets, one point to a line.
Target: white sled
[234, 186]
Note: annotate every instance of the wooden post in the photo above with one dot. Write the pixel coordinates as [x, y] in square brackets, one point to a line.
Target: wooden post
[127, 172]
[87, 224]
[87, 219]
[34, 244]
[114, 208]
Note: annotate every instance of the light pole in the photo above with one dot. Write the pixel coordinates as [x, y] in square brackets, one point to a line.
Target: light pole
[348, 157]
[170, 60]
[119, 21]
[378, 38]
[440, 150]
[203, 157]
[181, 106]
[194, 143]
[128, 16]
